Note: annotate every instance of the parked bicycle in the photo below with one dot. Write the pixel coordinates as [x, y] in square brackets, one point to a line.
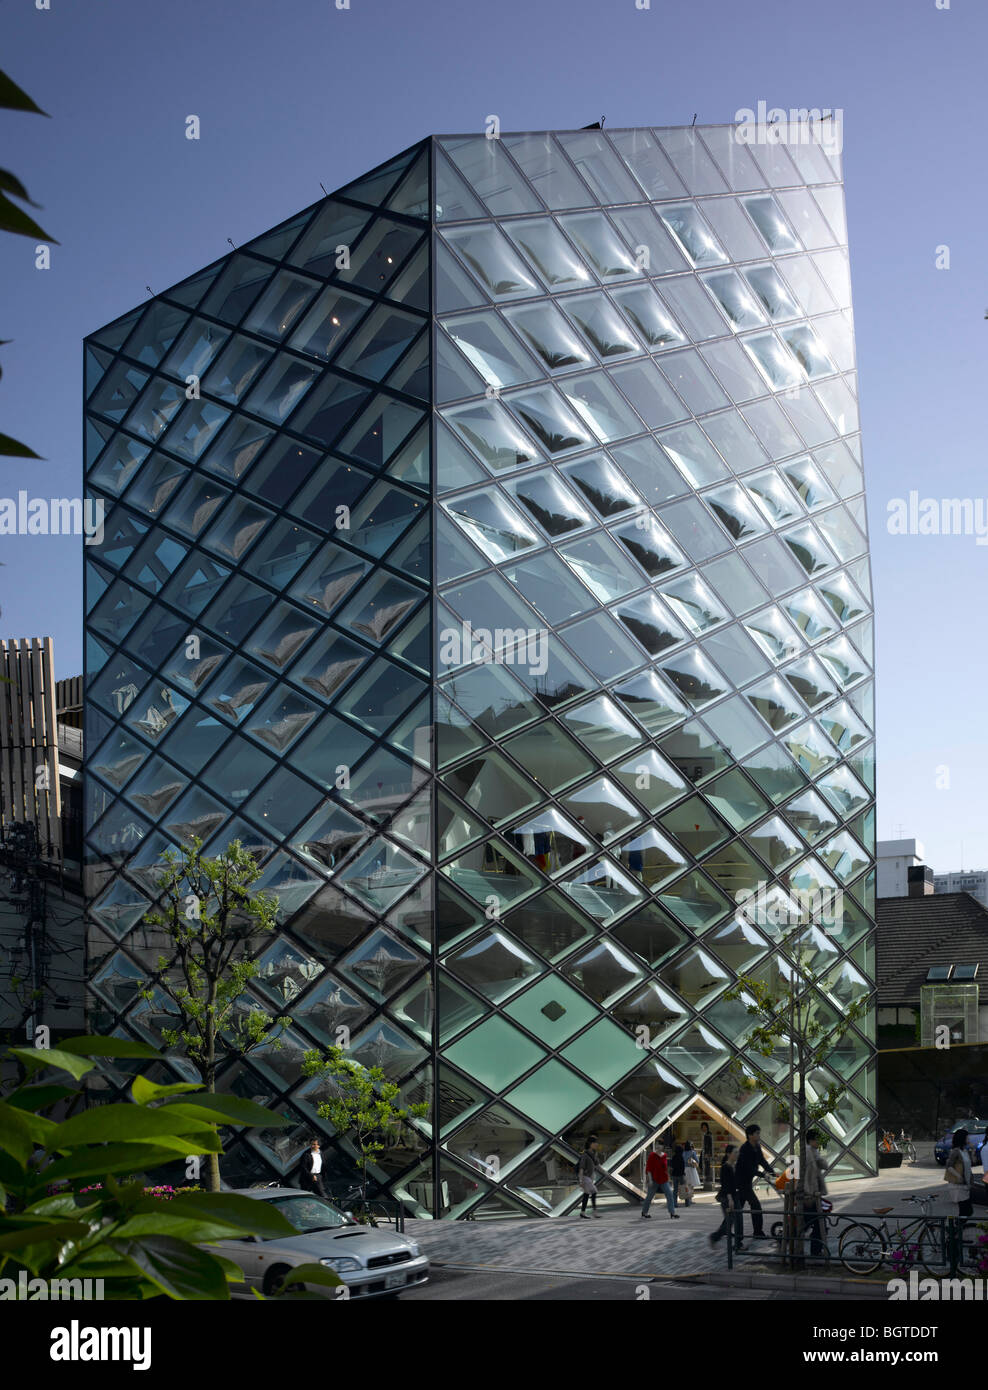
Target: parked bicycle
[905, 1143]
[921, 1241]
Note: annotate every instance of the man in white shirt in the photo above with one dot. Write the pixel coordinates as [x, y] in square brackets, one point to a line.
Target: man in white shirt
[311, 1172]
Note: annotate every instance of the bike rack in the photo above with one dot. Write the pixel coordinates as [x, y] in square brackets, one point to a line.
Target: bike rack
[950, 1231]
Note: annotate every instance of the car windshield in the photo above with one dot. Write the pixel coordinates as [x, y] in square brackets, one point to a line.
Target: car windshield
[310, 1213]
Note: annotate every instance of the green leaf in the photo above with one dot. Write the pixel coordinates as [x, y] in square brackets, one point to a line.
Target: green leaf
[251, 1214]
[226, 1110]
[312, 1274]
[92, 1045]
[12, 448]
[16, 220]
[179, 1269]
[15, 1134]
[33, 1235]
[107, 1124]
[10, 183]
[144, 1091]
[40, 1058]
[167, 1222]
[13, 98]
[121, 1158]
[37, 1098]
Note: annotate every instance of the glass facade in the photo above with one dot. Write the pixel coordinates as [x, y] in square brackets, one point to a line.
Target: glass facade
[486, 549]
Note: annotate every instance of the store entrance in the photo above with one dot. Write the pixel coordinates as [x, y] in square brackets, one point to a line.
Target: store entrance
[709, 1143]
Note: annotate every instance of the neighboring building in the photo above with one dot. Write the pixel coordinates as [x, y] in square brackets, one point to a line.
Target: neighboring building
[901, 870]
[486, 549]
[964, 881]
[932, 970]
[41, 914]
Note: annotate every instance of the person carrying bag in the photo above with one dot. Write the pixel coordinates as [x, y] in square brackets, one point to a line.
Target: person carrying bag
[957, 1172]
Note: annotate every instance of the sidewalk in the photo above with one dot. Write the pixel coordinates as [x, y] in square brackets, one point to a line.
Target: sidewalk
[621, 1243]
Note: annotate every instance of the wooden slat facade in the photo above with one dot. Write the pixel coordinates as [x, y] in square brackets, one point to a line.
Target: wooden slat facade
[29, 739]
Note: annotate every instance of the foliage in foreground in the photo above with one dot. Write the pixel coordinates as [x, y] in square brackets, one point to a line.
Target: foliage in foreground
[102, 1224]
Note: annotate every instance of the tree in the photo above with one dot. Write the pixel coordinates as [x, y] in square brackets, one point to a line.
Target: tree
[788, 1015]
[16, 220]
[361, 1105]
[213, 923]
[69, 1207]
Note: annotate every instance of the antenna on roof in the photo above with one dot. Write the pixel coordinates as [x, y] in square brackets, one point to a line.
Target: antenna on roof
[694, 118]
[231, 243]
[151, 293]
[323, 187]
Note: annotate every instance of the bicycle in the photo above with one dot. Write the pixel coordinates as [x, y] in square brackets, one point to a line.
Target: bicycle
[864, 1247]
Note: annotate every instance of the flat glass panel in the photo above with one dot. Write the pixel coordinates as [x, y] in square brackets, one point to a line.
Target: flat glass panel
[643, 155]
[598, 405]
[693, 164]
[601, 169]
[549, 587]
[692, 308]
[733, 229]
[602, 567]
[651, 245]
[491, 174]
[645, 388]
[649, 469]
[491, 349]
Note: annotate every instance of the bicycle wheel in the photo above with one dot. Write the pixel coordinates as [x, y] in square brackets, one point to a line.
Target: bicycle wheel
[932, 1255]
[861, 1249]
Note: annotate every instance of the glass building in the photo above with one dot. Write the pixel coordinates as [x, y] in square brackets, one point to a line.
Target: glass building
[485, 548]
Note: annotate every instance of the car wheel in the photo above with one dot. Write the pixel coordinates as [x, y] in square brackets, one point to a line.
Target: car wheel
[274, 1279]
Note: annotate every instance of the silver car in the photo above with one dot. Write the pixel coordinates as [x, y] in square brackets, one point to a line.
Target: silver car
[371, 1262]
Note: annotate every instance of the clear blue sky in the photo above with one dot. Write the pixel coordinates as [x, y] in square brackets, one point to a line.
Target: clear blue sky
[292, 93]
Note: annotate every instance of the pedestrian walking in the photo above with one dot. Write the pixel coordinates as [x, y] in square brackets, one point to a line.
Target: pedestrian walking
[750, 1160]
[657, 1172]
[957, 1173]
[726, 1195]
[814, 1190]
[310, 1173]
[707, 1147]
[691, 1176]
[586, 1171]
[677, 1172]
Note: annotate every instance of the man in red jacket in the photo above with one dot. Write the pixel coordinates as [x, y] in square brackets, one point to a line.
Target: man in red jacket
[657, 1171]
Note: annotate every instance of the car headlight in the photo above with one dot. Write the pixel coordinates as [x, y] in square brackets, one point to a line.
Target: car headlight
[416, 1252]
[341, 1263]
